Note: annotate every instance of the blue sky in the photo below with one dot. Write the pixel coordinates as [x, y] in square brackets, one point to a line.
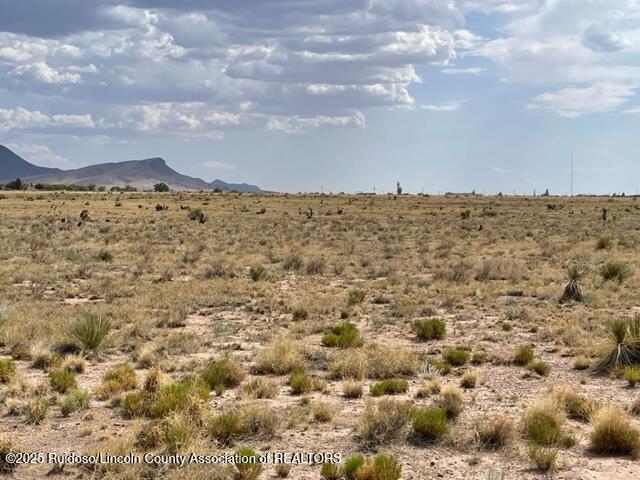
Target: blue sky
[343, 95]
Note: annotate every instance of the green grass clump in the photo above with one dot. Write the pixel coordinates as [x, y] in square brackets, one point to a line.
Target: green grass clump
[539, 367]
[614, 433]
[618, 271]
[345, 335]
[383, 421]
[389, 386]
[543, 423]
[250, 421]
[300, 383]
[62, 380]
[356, 467]
[260, 388]
[430, 423]
[36, 410]
[6, 447]
[429, 329]
[222, 374]
[603, 243]
[91, 333]
[74, 400]
[356, 296]
[134, 404]
[178, 397]
[7, 370]
[351, 465]
[118, 379]
[258, 272]
[456, 356]
[250, 467]
[523, 355]
[632, 375]
[544, 459]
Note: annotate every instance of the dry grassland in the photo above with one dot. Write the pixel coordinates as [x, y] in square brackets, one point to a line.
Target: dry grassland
[425, 330]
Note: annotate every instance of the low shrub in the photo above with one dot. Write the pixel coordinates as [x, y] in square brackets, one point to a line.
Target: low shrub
[117, 379]
[184, 396]
[390, 386]
[456, 356]
[614, 434]
[260, 388]
[544, 459]
[429, 329]
[450, 401]
[74, 400]
[62, 380]
[494, 432]
[429, 424]
[36, 410]
[383, 421]
[280, 357]
[222, 374]
[258, 272]
[250, 421]
[543, 423]
[523, 355]
[345, 335]
[7, 370]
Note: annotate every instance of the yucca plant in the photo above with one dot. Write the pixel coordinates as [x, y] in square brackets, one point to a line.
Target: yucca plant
[626, 337]
[575, 273]
[91, 332]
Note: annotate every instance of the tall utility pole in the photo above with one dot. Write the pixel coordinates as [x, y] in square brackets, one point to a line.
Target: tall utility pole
[572, 174]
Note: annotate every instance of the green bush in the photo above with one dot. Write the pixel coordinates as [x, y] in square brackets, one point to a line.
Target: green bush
[222, 374]
[62, 380]
[429, 423]
[539, 367]
[251, 468]
[356, 296]
[632, 375]
[74, 400]
[7, 370]
[36, 410]
[456, 356]
[258, 273]
[429, 329]
[300, 382]
[345, 335]
[134, 404]
[390, 386]
[178, 396]
[523, 355]
[351, 465]
[117, 379]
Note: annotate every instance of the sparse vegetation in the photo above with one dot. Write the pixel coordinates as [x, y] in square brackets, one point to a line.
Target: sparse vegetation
[395, 324]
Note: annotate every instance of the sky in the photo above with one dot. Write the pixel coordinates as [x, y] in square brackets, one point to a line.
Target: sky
[331, 95]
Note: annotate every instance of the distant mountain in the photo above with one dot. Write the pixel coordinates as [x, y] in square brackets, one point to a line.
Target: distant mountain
[238, 187]
[142, 174]
[13, 166]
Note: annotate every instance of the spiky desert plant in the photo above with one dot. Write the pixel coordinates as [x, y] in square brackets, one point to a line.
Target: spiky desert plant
[626, 338]
[575, 273]
[90, 332]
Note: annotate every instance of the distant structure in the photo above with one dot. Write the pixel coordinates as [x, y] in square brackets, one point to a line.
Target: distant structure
[572, 174]
[398, 188]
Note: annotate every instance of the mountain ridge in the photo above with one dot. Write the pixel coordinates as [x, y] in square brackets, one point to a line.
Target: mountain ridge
[142, 174]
